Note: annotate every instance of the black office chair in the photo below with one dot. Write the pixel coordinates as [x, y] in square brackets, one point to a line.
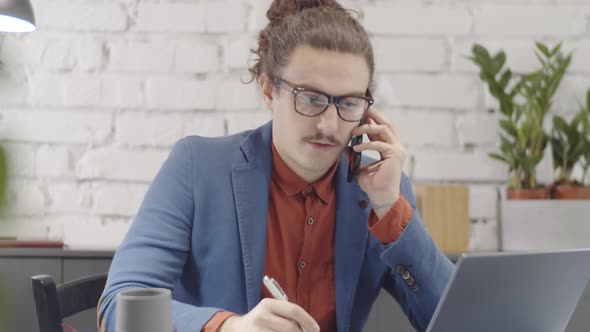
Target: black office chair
[55, 303]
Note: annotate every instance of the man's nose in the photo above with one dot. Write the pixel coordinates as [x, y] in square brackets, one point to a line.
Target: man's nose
[328, 122]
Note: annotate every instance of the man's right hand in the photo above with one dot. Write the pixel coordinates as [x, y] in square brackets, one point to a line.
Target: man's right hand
[271, 315]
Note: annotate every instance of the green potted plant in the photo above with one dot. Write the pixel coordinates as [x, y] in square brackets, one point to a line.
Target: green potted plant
[3, 178]
[570, 146]
[524, 103]
[585, 159]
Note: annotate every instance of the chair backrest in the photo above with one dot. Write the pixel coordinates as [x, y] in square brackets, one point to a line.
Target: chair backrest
[55, 303]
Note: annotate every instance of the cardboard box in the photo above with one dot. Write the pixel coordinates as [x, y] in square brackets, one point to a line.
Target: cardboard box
[445, 212]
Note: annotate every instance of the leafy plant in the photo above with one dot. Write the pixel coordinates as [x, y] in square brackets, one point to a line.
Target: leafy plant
[568, 145]
[585, 158]
[524, 103]
[498, 81]
[3, 176]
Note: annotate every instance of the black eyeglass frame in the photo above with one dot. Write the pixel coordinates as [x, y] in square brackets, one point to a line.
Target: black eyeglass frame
[294, 89]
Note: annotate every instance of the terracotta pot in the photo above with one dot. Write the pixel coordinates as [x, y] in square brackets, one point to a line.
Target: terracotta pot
[536, 193]
[569, 191]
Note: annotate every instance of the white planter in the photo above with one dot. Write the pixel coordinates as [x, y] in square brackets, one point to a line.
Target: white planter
[544, 224]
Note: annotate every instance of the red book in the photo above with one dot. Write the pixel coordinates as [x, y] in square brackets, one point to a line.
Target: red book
[31, 243]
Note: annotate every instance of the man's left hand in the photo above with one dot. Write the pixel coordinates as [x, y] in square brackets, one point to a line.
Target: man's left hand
[381, 179]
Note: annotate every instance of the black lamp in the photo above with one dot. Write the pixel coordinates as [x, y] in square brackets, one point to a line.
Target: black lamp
[16, 16]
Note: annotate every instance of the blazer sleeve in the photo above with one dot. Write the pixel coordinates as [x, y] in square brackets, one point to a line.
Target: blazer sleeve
[157, 244]
[418, 271]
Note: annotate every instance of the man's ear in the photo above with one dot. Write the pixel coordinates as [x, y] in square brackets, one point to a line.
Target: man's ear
[267, 88]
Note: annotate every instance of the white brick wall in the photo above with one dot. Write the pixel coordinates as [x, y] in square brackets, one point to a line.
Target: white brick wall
[225, 16]
[80, 15]
[545, 20]
[13, 89]
[143, 129]
[414, 55]
[70, 197]
[25, 197]
[59, 126]
[139, 56]
[180, 94]
[179, 17]
[21, 159]
[119, 198]
[119, 91]
[437, 127]
[53, 161]
[91, 103]
[436, 91]
[416, 20]
[115, 164]
[85, 54]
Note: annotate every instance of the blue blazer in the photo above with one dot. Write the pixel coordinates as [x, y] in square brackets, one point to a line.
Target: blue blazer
[201, 232]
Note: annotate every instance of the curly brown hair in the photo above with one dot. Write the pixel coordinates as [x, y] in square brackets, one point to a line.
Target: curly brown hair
[321, 24]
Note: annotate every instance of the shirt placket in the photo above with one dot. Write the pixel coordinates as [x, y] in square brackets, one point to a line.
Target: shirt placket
[304, 264]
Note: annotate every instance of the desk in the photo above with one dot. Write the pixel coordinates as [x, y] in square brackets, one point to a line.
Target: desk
[17, 265]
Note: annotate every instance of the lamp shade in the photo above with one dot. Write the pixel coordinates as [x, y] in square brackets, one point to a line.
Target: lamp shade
[16, 16]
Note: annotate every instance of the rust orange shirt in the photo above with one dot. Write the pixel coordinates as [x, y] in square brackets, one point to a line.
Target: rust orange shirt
[300, 241]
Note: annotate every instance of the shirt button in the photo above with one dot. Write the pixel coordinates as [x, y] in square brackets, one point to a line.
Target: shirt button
[302, 265]
[310, 221]
[309, 189]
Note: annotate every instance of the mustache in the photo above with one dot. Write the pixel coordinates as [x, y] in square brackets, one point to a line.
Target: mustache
[323, 138]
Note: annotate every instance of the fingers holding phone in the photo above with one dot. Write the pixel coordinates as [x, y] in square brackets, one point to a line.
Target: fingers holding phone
[380, 180]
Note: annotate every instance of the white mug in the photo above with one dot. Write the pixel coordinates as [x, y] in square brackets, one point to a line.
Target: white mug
[144, 310]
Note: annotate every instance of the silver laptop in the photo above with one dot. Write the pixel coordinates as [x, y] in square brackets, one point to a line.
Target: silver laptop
[513, 292]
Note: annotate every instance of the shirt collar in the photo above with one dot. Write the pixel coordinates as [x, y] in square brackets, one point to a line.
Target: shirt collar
[291, 184]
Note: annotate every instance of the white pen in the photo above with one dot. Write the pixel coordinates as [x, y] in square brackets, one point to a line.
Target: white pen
[277, 292]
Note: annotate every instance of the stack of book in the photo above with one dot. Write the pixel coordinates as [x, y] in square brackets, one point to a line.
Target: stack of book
[13, 242]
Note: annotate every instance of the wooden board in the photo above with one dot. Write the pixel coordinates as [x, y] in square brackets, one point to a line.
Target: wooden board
[445, 212]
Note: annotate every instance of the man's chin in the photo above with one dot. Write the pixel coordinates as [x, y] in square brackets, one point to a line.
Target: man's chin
[321, 164]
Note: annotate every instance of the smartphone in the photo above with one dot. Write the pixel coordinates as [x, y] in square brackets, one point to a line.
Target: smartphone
[355, 161]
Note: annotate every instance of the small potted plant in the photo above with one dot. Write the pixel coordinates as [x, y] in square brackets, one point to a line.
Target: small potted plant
[3, 176]
[570, 146]
[524, 103]
[532, 224]
[585, 159]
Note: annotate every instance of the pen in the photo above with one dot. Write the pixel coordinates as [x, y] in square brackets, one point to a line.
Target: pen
[277, 292]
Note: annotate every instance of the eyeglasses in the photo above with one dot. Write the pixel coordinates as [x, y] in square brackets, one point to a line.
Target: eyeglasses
[313, 103]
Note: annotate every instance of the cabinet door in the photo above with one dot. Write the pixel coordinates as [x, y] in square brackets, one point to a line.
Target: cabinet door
[15, 279]
[75, 268]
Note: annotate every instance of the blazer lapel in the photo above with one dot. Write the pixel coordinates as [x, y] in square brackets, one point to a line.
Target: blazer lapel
[350, 237]
[251, 186]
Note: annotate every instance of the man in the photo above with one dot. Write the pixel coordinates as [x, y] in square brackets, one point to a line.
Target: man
[224, 212]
